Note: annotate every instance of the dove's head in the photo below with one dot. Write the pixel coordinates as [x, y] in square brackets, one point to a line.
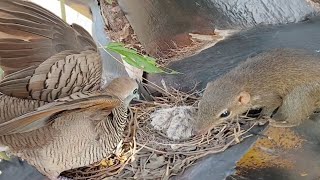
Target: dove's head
[124, 88]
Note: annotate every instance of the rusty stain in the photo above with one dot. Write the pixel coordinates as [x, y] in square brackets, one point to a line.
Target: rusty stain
[271, 152]
[281, 138]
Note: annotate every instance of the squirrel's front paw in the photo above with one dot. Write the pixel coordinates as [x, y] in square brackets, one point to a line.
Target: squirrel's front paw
[279, 117]
[275, 123]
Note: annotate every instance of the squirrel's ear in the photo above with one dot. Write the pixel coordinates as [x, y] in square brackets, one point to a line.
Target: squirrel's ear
[244, 98]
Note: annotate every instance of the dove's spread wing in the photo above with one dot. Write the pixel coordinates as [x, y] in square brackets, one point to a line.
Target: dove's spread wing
[46, 114]
[42, 57]
[59, 76]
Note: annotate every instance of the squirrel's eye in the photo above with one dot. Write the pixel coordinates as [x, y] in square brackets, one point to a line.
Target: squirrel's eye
[225, 114]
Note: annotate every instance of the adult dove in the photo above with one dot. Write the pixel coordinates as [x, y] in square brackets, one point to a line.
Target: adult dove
[71, 132]
[54, 113]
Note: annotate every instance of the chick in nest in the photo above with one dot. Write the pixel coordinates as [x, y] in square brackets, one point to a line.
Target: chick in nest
[176, 122]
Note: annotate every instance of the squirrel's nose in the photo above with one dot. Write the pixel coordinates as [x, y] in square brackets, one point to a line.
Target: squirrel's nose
[200, 130]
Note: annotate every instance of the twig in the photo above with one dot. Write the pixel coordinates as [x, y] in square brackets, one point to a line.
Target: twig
[142, 141]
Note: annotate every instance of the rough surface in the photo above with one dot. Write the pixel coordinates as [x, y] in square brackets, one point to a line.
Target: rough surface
[247, 13]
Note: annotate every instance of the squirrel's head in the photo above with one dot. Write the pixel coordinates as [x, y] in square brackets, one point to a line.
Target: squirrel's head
[222, 100]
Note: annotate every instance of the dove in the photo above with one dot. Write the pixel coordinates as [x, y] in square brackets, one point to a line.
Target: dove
[73, 131]
[54, 111]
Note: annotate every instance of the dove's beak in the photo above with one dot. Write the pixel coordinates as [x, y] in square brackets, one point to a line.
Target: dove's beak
[144, 93]
[131, 99]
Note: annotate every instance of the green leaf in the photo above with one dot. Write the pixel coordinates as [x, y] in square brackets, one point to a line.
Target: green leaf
[132, 57]
[3, 155]
[109, 1]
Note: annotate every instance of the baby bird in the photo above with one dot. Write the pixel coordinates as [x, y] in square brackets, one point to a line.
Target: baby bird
[285, 83]
[71, 132]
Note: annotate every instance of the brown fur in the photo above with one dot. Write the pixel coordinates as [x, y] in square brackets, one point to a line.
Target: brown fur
[284, 78]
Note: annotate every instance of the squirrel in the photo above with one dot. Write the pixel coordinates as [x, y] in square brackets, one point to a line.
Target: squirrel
[284, 83]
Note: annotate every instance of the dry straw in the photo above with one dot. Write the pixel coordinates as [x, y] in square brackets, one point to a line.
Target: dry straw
[146, 153]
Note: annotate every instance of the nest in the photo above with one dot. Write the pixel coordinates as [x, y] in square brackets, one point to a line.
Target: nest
[146, 153]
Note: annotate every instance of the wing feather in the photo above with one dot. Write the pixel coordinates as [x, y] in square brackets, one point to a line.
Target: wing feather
[46, 114]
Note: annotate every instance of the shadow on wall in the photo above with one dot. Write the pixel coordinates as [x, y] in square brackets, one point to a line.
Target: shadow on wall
[163, 25]
[219, 59]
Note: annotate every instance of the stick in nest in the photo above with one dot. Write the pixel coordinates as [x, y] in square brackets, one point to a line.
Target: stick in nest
[151, 155]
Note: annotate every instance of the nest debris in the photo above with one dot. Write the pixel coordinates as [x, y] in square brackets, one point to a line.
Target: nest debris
[146, 153]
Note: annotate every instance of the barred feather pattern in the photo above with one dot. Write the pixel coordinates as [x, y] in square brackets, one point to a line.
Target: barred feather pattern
[75, 73]
[75, 139]
[114, 126]
[30, 34]
[11, 107]
[59, 76]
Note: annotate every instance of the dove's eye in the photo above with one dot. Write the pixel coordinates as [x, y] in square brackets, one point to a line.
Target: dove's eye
[135, 91]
